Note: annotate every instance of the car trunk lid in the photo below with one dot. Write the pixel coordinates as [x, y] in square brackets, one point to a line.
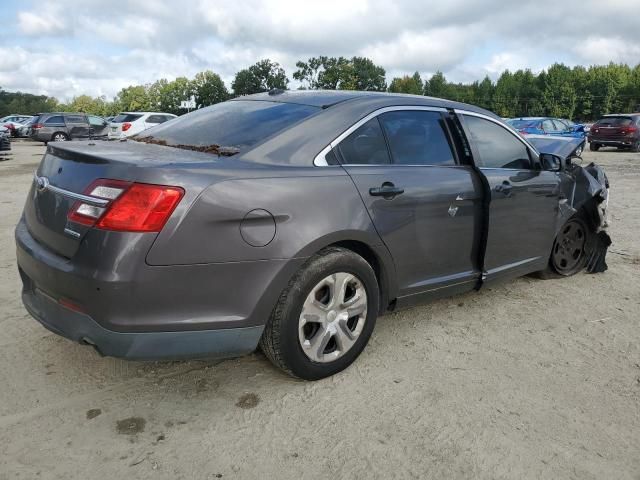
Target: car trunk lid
[68, 169]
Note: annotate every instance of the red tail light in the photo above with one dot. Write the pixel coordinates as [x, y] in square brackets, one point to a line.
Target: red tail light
[629, 130]
[131, 207]
[35, 126]
[126, 126]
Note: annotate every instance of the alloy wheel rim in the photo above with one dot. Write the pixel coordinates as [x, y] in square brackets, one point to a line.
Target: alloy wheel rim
[59, 138]
[332, 317]
[569, 247]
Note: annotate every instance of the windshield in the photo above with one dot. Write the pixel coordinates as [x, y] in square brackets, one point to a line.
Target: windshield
[523, 123]
[233, 125]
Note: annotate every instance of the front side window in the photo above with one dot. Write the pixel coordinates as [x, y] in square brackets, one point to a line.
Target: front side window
[365, 146]
[417, 138]
[498, 148]
[55, 120]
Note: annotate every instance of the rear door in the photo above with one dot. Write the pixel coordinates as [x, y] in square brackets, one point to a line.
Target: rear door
[77, 126]
[524, 199]
[424, 204]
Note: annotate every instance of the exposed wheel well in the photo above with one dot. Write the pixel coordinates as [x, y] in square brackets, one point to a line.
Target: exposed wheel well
[366, 252]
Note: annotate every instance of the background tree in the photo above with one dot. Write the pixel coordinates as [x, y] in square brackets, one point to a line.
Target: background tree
[331, 73]
[407, 84]
[208, 88]
[263, 76]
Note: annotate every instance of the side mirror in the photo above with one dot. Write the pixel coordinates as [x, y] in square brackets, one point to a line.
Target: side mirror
[552, 163]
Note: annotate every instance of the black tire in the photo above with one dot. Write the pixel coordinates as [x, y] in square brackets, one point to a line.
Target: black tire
[594, 147]
[568, 257]
[280, 340]
[59, 137]
[636, 146]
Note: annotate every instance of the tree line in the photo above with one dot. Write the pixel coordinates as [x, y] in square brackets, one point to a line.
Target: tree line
[581, 93]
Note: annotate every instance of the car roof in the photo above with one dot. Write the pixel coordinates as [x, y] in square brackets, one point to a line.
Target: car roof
[329, 98]
[621, 115]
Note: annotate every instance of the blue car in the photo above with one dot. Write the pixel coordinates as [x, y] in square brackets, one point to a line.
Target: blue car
[547, 126]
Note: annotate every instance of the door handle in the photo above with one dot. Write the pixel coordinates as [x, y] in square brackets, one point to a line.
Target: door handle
[504, 188]
[388, 191]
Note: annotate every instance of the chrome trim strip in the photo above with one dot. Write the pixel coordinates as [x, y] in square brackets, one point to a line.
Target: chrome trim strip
[321, 161]
[97, 202]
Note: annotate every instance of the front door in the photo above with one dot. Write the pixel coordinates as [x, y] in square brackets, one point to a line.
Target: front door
[425, 206]
[524, 200]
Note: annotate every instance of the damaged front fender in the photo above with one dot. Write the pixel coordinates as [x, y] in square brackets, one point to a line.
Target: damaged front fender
[586, 191]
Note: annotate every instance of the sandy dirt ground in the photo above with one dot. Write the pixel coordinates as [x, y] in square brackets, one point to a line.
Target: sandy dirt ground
[529, 379]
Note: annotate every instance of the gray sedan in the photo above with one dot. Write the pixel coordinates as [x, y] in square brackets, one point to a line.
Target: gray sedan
[292, 220]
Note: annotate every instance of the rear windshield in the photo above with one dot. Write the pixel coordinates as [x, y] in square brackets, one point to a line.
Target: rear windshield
[615, 122]
[523, 123]
[126, 117]
[232, 126]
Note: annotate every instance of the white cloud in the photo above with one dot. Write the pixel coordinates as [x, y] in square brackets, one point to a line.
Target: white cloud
[49, 22]
[88, 47]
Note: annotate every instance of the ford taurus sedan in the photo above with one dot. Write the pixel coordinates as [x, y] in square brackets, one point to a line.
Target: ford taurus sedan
[292, 220]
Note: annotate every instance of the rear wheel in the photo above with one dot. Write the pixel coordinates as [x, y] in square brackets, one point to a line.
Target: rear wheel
[594, 147]
[636, 146]
[324, 319]
[59, 137]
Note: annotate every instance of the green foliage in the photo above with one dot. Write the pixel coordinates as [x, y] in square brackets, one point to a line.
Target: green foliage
[580, 93]
[263, 76]
[407, 84]
[208, 88]
[25, 103]
[331, 73]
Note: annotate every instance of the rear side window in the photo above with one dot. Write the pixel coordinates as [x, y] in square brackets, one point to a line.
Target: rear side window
[96, 121]
[157, 119]
[126, 117]
[417, 138]
[365, 146]
[75, 119]
[548, 126]
[498, 148]
[55, 120]
[524, 123]
[615, 122]
[236, 124]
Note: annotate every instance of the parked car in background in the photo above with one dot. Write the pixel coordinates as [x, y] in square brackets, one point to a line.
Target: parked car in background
[23, 130]
[547, 126]
[15, 118]
[127, 124]
[14, 126]
[62, 126]
[5, 143]
[292, 220]
[617, 130]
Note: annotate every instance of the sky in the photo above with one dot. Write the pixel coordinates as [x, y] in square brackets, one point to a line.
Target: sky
[65, 48]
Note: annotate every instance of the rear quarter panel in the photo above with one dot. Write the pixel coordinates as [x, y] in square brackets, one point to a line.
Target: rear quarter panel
[310, 208]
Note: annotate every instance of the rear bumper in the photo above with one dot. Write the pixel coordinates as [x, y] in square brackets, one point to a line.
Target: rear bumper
[129, 309]
[81, 328]
[622, 142]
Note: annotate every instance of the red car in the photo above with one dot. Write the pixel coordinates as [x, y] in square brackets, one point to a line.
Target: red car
[619, 130]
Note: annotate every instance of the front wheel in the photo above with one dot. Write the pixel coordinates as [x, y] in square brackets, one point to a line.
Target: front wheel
[324, 318]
